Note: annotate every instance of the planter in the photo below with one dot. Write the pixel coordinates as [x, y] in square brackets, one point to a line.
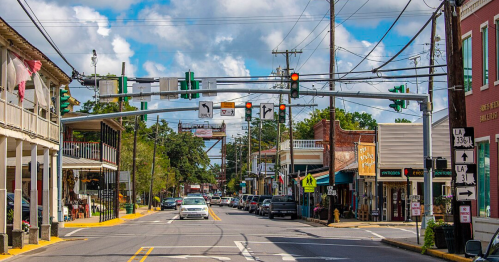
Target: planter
[323, 214]
[449, 218]
[440, 238]
[9, 233]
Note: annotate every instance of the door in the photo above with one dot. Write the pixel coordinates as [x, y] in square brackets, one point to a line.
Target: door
[397, 205]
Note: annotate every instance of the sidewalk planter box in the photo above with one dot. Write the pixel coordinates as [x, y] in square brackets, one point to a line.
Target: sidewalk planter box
[440, 238]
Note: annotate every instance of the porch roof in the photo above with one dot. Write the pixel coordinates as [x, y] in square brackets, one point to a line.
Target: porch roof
[67, 163]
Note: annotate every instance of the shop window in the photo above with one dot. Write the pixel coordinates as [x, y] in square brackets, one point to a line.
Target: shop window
[485, 56]
[467, 64]
[483, 180]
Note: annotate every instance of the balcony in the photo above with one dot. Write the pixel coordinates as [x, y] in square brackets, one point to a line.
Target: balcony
[89, 150]
[302, 144]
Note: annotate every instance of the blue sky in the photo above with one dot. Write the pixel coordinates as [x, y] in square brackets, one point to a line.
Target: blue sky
[234, 38]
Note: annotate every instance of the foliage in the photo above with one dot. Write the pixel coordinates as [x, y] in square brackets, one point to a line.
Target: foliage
[429, 234]
[444, 201]
[10, 216]
[25, 225]
[325, 200]
[156, 198]
[402, 120]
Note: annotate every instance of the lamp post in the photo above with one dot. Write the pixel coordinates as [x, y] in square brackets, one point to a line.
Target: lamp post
[94, 64]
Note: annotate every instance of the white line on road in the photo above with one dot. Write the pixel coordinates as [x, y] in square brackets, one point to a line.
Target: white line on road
[378, 235]
[171, 221]
[410, 231]
[74, 231]
[159, 247]
[312, 244]
[244, 251]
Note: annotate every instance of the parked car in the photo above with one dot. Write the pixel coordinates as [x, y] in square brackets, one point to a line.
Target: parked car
[168, 203]
[242, 200]
[260, 201]
[246, 203]
[263, 209]
[193, 207]
[253, 204]
[178, 201]
[225, 201]
[234, 202]
[215, 200]
[25, 207]
[282, 206]
[474, 249]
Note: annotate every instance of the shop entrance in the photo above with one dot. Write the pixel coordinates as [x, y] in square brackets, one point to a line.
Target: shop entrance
[398, 203]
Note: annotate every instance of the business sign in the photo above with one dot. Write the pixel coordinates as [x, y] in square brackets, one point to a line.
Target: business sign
[415, 209]
[465, 214]
[367, 159]
[463, 138]
[203, 132]
[442, 173]
[417, 173]
[390, 173]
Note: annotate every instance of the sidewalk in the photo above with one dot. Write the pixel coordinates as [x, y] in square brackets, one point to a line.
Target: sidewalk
[94, 221]
[405, 243]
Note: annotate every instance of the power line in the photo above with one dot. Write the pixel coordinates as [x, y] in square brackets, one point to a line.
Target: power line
[277, 47]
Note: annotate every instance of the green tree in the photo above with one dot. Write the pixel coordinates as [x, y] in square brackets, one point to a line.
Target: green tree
[402, 120]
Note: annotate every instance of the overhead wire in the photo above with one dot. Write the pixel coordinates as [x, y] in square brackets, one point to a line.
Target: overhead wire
[277, 47]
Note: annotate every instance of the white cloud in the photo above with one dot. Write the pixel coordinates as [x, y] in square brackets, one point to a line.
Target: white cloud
[154, 69]
[87, 15]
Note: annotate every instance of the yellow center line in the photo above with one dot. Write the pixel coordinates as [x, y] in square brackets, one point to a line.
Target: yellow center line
[212, 213]
[132, 258]
[145, 256]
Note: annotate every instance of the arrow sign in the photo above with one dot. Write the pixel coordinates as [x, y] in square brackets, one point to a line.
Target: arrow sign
[469, 193]
[205, 109]
[465, 156]
[465, 193]
[267, 111]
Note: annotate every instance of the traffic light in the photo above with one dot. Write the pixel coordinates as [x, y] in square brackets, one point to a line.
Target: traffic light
[63, 101]
[397, 103]
[282, 113]
[248, 111]
[143, 106]
[122, 87]
[295, 85]
[408, 172]
[184, 85]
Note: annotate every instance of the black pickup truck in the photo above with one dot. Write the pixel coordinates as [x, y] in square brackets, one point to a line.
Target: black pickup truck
[282, 206]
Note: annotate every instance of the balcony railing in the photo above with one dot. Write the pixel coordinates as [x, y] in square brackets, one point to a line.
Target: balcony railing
[29, 122]
[302, 144]
[89, 150]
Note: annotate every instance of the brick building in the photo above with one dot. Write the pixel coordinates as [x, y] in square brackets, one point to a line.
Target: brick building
[479, 32]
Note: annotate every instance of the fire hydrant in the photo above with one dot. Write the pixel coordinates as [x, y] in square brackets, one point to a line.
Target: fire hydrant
[336, 216]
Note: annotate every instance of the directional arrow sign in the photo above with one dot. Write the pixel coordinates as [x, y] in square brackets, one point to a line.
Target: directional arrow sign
[465, 156]
[465, 193]
[267, 111]
[205, 109]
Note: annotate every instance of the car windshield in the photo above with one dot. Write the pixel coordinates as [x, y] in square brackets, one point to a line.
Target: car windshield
[170, 200]
[215, 197]
[226, 198]
[494, 247]
[266, 201]
[282, 199]
[194, 201]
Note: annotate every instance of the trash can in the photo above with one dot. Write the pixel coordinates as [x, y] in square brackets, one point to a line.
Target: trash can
[449, 238]
[129, 208]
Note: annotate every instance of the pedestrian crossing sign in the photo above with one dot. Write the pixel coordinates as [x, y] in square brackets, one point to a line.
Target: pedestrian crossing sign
[309, 182]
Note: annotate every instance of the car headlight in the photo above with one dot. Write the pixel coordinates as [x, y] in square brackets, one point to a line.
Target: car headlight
[205, 208]
[183, 209]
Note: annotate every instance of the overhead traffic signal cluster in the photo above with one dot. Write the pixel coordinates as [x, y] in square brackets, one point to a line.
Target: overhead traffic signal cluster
[63, 101]
[282, 113]
[398, 104]
[194, 85]
[248, 111]
[295, 85]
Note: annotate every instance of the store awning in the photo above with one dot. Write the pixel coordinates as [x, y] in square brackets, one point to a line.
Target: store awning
[340, 177]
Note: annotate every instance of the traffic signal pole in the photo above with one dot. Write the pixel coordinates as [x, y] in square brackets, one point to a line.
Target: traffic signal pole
[332, 116]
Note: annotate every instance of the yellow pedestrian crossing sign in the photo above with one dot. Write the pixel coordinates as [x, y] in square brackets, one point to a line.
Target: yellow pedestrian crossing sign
[309, 183]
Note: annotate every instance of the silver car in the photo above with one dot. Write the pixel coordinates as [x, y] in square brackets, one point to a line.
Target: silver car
[193, 207]
[215, 200]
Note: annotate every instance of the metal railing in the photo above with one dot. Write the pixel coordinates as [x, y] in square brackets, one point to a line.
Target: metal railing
[89, 150]
[302, 144]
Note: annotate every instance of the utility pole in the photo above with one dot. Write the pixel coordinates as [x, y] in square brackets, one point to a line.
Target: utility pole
[249, 149]
[457, 109]
[291, 146]
[260, 155]
[134, 196]
[118, 157]
[153, 162]
[235, 157]
[330, 216]
[277, 157]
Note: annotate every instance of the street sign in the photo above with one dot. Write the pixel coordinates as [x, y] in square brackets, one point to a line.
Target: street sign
[463, 138]
[274, 184]
[465, 156]
[465, 214]
[267, 111]
[209, 83]
[205, 109]
[465, 193]
[374, 212]
[309, 183]
[331, 191]
[415, 209]
[465, 175]
[227, 109]
[415, 198]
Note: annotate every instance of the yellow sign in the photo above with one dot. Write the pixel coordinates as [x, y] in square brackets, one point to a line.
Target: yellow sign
[367, 159]
[309, 182]
[228, 105]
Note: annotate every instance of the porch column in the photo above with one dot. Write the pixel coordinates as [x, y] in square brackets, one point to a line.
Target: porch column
[53, 191]
[17, 232]
[3, 194]
[45, 196]
[33, 203]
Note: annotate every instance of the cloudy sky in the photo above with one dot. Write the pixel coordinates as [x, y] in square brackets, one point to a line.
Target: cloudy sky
[219, 38]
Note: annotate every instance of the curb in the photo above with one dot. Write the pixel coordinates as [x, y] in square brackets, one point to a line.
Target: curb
[112, 222]
[30, 247]
[430, 252]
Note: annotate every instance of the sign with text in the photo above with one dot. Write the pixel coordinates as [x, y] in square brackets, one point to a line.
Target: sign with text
[227, 108]
[309, 183]
[331, 191]
[465, 214]
[463, 137]
[465, 175]
[366, 154]
[415, 209]
[442, 173]
[390, 173]
[205, 109]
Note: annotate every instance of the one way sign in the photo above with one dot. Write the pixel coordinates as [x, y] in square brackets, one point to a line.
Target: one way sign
[267, 111]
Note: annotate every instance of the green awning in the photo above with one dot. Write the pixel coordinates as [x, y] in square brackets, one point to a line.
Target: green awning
[340, 178]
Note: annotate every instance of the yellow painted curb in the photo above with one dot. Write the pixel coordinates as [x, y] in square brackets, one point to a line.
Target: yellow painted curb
[109, 223]
[132, 216]
[41, 243]
[431, 252]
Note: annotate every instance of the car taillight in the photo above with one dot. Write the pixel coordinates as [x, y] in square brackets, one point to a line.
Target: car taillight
[253, 203]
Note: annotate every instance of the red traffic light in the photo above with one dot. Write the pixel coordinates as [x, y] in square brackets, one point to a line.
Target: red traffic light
[249, 105]
[408, 171]
[294, 76]
[282, 107]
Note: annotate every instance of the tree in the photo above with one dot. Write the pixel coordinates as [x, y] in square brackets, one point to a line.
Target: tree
[402, 120]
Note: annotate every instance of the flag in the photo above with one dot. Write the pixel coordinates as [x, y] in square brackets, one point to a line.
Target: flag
[281, 178]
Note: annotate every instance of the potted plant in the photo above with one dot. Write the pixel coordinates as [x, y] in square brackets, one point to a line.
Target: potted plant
[434, 235]
[443, 202]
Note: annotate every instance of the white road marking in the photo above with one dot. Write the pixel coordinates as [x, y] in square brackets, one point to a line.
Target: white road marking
[311, 244]
[72, 232]
[244, 251]
[378, 235]
[189, 256]
[171, 221]
[406, 230]
[159, 247]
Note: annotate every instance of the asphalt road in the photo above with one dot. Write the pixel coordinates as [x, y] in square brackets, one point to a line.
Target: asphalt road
[231, 235]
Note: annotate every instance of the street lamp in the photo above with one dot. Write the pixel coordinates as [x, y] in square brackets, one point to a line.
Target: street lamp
[94, 64]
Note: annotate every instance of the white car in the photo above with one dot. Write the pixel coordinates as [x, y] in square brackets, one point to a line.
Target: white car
[194, 207]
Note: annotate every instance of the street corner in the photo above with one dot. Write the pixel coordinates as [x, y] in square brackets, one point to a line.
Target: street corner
[41, 243]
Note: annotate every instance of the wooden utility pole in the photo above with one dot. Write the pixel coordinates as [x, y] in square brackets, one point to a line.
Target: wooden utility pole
[118, 157]
[330, 217]
[153, 162]
[457, 109]
[134, 195]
